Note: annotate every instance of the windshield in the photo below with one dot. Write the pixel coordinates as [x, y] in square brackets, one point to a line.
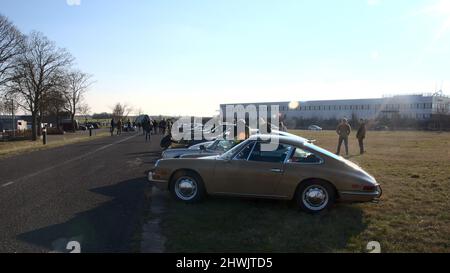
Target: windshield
[229, 154]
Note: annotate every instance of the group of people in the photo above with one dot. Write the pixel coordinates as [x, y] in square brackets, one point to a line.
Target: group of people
[119, 125]
[149, 127]
[154, 127]
[344, 129]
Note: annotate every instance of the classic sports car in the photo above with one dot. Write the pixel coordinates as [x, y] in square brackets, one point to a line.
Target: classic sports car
[315, 178]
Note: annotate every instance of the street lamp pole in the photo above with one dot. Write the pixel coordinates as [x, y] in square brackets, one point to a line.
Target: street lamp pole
[13, 118]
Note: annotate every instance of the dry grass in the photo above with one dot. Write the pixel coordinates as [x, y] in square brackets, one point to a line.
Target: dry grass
[12, 148]
[414, 215]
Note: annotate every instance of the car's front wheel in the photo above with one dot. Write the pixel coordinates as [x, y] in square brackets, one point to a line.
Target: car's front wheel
[315, 196]
[187, 186]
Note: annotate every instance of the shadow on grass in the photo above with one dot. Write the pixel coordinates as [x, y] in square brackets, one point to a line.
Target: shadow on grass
[109, 227]
[222, 224]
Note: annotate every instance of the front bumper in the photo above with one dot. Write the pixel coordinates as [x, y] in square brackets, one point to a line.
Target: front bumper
[160, 184]
[360, 196]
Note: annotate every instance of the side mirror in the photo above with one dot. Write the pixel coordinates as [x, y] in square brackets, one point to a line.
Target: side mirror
[202, 148]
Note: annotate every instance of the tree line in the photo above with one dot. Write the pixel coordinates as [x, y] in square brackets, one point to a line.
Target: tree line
[39, 77]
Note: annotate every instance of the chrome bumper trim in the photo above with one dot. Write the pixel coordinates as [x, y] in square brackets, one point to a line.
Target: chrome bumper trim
[160, 184]
[375, 196]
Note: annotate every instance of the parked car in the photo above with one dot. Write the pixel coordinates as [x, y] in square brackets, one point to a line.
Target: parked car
[314, 128]
[381, 128]
[315, 178]
[199, 150]
[94, 125]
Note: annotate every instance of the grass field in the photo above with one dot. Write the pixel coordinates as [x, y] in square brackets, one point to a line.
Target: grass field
[11, 148]
[413, 216]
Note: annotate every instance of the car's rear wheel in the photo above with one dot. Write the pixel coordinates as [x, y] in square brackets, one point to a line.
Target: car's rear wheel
[315, 196]
[187, 186]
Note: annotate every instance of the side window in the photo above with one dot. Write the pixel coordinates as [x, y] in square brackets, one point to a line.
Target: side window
[302, 156]
[278, 155]
[244, 153]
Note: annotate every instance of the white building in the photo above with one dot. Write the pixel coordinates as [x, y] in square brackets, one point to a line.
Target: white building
[8, 123]
[419, 107]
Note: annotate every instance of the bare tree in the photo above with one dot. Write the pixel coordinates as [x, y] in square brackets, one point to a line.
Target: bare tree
[10, 47]
[39, 70]
[53, 103]
[78, 84]
[121, 111]
[85, 110]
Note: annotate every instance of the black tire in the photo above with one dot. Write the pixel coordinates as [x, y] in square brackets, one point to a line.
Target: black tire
[182, 184]
[315, 196]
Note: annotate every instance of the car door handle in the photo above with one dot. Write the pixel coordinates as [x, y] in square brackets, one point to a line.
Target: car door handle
[276, 170]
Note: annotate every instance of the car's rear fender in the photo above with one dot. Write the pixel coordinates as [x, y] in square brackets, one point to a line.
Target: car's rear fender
[336, 192]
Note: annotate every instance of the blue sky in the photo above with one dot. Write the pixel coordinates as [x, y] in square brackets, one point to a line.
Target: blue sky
[188, 56]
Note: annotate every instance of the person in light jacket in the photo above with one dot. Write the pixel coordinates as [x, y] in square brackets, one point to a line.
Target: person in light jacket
[343, 130]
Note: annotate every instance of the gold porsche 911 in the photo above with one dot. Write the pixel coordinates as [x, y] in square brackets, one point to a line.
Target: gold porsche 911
[295, 169]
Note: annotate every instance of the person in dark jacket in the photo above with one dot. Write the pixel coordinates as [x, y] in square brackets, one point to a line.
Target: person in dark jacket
[167, 141]
[155, 127]
[113, 124]
[148, 130]
[119, 127]
[361, 135]
[343, 130]
[163, 126]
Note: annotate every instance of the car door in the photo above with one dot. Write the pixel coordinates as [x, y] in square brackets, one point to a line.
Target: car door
[253, 171]
[301, 165]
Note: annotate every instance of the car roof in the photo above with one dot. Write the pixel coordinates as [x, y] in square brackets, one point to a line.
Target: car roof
[292, 140]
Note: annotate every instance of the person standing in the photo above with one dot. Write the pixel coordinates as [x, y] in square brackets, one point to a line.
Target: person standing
[163, 125]
[169, 125]
[112, 126]
[119, 127]
[139, 126]
[148, 130]
[343, 130]
[155, 126]
[361, 135]
[128, 125]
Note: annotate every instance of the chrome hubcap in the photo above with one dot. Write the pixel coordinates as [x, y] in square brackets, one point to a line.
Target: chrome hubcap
[315, 197]
[185, 188]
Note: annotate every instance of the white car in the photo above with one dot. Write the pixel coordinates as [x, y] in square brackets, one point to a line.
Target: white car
[314, 128]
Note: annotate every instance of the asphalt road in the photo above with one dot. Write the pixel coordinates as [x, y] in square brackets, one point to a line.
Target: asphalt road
[91, 192]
